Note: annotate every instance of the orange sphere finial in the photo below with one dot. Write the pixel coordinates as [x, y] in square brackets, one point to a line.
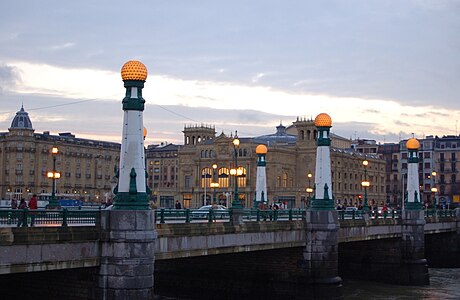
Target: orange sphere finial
[412, 144]
[323, 120]
[134, 70]
[261, 149]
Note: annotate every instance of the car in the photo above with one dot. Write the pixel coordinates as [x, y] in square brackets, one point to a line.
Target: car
[218, 210]
[351, 209]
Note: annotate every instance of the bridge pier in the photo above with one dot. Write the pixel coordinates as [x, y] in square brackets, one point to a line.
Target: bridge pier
[321, 256]
[127, 254]
[414, 267]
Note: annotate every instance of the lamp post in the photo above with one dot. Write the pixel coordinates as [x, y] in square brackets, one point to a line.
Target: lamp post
[365, 184]
[236, 144]
[214, 183]
[309, 188]
[434, 189]
[205, 181]
[53, 203]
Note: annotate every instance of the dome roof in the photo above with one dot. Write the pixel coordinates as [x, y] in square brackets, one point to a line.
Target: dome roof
[412, 144]
[261, 149]
[323, 120]
[134, 70]
[21, 120]
[281, 136]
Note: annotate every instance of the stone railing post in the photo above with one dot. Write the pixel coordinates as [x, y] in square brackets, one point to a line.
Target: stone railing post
[236, 216]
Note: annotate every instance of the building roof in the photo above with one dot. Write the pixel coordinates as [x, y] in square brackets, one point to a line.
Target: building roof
[21, 120]
[281, 136]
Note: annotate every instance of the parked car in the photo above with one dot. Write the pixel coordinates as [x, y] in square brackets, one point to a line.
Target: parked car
[202, 212]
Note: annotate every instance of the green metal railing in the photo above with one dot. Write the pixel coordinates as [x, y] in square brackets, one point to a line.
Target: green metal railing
[169, 215]
[274, 215]
[441, 213]
[44, 217]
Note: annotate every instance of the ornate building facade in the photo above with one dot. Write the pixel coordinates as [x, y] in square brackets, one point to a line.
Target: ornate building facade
[86, 167]
[199, 172]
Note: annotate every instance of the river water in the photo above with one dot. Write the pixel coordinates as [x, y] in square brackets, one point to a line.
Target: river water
[444, 284]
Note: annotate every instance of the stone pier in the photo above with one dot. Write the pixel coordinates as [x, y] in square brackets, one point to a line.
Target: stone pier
[127, 254]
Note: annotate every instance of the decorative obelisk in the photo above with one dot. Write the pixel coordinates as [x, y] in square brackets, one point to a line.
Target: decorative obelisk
[132, 189]
[261, 179]
[127, 252]
[323, 197]
[322, 226]
[414, 266]
[412, 198]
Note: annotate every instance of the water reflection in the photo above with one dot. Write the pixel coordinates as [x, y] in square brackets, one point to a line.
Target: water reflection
[444, 284]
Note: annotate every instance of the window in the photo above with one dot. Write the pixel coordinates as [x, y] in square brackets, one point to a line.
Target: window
[285, 179]
[187, 181]
[206, 176]
[427, 165]
[223, 177]
[426, 155]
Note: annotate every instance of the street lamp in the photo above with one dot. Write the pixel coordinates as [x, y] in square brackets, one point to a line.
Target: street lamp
[365, 184]
[309, 188]
[214, 183]
[236, 144]
[53, 203]
[434, 190]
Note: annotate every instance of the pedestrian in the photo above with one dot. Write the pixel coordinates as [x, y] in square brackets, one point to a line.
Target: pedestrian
[22, 215]
[14, 204]
[33, 205]
[178, 205]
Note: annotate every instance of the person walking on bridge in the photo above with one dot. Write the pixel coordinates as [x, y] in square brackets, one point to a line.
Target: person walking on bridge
[33, 206]
[21, 215]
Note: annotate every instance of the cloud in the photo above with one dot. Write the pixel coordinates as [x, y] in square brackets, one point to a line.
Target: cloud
[9, 77]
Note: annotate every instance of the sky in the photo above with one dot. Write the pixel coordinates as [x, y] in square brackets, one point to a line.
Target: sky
[382, 70]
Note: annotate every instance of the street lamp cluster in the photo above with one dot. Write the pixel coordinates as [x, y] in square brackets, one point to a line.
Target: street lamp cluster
[365, 184]
[214, 183]
[309, 188]
[53, 203]
[236, 171]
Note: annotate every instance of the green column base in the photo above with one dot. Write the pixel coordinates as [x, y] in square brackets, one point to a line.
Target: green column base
[127, 201]
[322, 204]
[413, 205]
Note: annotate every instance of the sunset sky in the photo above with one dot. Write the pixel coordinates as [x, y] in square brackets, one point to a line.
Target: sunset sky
[381, 69]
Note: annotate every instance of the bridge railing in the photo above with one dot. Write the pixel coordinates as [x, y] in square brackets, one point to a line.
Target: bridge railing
[48, 217]
[274, 215]
[440, 213]
[171, 215]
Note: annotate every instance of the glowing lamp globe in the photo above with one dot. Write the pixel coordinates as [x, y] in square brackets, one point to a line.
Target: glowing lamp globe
[261, 149]
[323, 120]
[134, 70]
[412, 144]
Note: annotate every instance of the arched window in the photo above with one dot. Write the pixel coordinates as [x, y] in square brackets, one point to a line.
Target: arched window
[206, 177]
[278, 181]
[187, 140]
[193, 140]
[285, 179]
[315, 133]
[302, 135]
[224, 173]
[206, 153]
[308, 135]
[202, 153]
